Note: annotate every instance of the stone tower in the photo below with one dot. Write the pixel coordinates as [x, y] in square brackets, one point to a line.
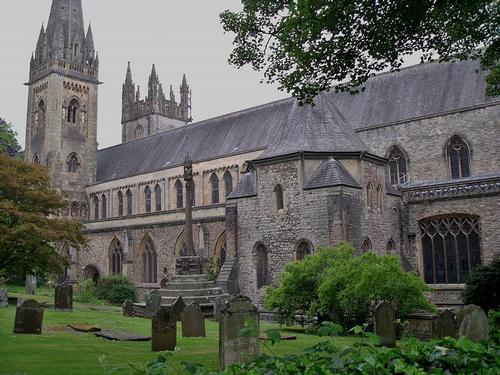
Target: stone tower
[61, 127]
[156, 113]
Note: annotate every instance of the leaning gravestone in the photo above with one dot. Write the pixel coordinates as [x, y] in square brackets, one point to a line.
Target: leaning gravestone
[178, 307]
[128, 308]
[473, 323]
[193, 321]
[164, 330]
[29, 318]
[153, 303]
[4, 299]
[446, 324]
[63, 299]
[235, 345]
[384, 324]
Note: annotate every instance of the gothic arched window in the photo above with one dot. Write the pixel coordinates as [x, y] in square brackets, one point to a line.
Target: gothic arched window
[366, 245]
[96, 208]
[157, 197]
[120, 203]
[459, 158]
[391, 246]
[129, 202]
[369, 195]
[398, 168]
[147, 197]
[379, 197]
[304, 248]
[73, 107]
[75, 209]
[261, 254]
[139, 132]
[36, 159]
[228, 182]
[214, 183]
[149, 262]
[73, 163]
[104, 207]
[280, 202]
[83, 210]
[451, 248]
[116, 258]
[179, 191]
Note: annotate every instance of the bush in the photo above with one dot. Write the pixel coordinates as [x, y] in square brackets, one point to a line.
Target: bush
[116, 289]
[336, 285]
[85, 292]
[483, 286]
[494, 325]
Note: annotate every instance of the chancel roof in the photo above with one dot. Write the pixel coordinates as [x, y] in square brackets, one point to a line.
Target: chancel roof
[331, 173]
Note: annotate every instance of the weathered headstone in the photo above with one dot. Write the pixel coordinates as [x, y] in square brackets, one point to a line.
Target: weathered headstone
[29, 318]
[178, 307]
[446, 325]
[164, 330]
[30, 284]
[153, 303]
[63, 297]
[384, 323]
[473, 323]
[422, 325]
[193, 321]
[128, 308]
[219, 304]
[4, 299]
[234, 344]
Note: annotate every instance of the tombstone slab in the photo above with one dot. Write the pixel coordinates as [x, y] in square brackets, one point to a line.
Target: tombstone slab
[238, 313]
[63, 297]
[153, 303]
[446, 324]
[384, 324]
[178, 307]
[193, 321]
[29, 318]
[121, 336]
[4, 299]
[472, 323]
[128, 308]
[164, 330]
[86, 328]
[422, 325]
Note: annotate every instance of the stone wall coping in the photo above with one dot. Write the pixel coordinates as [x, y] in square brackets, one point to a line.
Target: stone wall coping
[447, 286]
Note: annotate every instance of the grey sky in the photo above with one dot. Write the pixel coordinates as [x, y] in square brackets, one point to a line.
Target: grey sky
[179, 36]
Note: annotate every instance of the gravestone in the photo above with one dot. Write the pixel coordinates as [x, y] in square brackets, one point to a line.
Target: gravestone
[164, 330]
[384, 324]
[234, 346]
[29, 318]
[63, 298]
[219, 304]
[473, 323]
[193, 321]
[178, 307]
[422, 325]
[4, 299]
[128, 308]
[153, 303]
[446, 324]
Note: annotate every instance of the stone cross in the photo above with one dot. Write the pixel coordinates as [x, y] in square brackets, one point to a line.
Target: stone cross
[188, 228]
[446, 324]
[384, 323]
[164, 330]
[29, 318]
[4, 299]
[128, 308]
[153, 303]
[63, 298]
[473, 323]
[193, 321]
[236, 344]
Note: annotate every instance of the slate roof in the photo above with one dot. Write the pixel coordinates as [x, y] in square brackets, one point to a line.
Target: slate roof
[331, 173]
[247, 187]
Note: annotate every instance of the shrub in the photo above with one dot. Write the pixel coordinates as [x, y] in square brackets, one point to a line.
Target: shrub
[483, 286]
[85, 292]
[116, 289]
[494, 325]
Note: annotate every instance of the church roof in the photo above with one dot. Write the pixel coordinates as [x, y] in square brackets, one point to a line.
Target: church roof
[247, 187]
[331, 173]
[284, 127]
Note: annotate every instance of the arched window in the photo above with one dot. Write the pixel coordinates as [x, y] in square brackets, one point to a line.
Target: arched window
[451, 247]
[304, 248]
[366, 245]
[139, 132]
[83, 211]
[104, 207]
[398, 168]
[41, 113]
[73, 107]
[149, 262]
[262, 265]
[96, 208]
[75, 209]
[391, 246]
[120, 203]
[179, 189]
[228, 182]
[73, 163]
[278, 192]
[36, 159]
[147, 197]
[129, 202]
[116, 260]
[157, 197]
[214, 182]
[379, 197]
[459, 158]
[369, 195]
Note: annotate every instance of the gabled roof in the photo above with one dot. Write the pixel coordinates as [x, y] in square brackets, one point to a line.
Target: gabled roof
[247, 187]
[331, 173]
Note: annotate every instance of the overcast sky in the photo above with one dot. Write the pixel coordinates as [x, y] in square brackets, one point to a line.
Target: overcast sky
[179, 36]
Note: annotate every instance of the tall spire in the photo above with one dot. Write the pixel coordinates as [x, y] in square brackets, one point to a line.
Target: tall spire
[153, 85]
[89, 39]
[128, 77]
[128, 89]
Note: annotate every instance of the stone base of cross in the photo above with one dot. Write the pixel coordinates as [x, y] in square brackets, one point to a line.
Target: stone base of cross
[188, 265]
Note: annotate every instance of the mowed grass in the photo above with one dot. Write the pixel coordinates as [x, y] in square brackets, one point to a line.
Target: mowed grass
[60, 351]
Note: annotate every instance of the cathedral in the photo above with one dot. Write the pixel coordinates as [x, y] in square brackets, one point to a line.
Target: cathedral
[410, 166]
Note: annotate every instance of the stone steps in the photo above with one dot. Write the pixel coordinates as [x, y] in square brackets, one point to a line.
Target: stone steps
[190, 292]
[189, 299]
[189, 278]
[189, 285]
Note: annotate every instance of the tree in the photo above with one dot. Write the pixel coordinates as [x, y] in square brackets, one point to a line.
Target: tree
[309, 45]
[483, 286]
[8, 141]
[30, 224]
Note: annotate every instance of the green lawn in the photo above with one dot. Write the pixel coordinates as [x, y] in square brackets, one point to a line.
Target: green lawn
[61, 352]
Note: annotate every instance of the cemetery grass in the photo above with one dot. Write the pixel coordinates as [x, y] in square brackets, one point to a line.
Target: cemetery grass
[60, 351]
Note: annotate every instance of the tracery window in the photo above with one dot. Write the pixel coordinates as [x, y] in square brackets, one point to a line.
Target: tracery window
[139, 132]
[149, 262]
[262, 265]
[129, 202]
[73, 163]
[179, 189]
[214, 182]
[117, 258]
[73, 107]
[451, 247]
[228, 182]
[120, 203]
[398, 167]
[278, 193]
[157, 197]
[83, 210]
[459, 158]
[366, 245]
[75, 209]
[96, 208]
[104, 207]
[304, 248]
[147, 197]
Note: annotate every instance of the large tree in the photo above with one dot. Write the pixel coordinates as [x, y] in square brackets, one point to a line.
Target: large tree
[8, 140]
[30, 223]
[309, 45]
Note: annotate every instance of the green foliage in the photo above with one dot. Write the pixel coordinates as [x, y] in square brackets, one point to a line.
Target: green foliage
[85, 292]
[483, 286]
[214, 268]
[116, 289]
[8, 140]
[494, 325]
[336, 285]
[307, 46]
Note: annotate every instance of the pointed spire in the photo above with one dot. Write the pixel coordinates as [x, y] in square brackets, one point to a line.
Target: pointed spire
[128, 77]
[184, 81]
[153, 77]
[41, 37]
[172, 95]
[89, 39]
